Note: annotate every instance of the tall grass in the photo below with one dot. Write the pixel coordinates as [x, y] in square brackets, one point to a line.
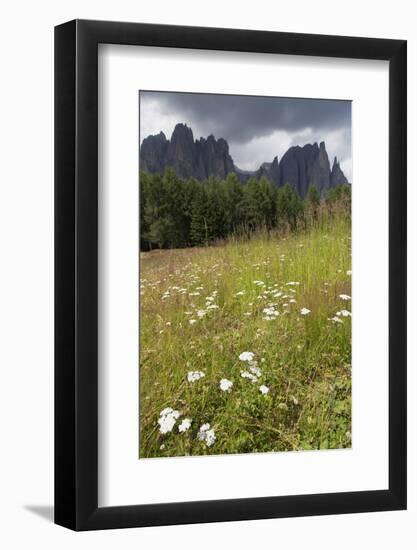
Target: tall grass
[304, 359]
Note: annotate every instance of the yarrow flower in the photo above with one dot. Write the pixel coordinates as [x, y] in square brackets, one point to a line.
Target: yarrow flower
[202, 431]
[206, 434]
[192, 321]
[344, 297]
[263, 389]
[225, 384]
[305, 311]
[270, 311]
[254, 369]
[185, 425]
[248, 375]
[167, 419]
[246, 356]
[210, 437]
[195, 375]
[335, 319]
[344, 313]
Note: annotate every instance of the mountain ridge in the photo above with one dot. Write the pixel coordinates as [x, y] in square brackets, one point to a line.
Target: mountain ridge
[204, 157]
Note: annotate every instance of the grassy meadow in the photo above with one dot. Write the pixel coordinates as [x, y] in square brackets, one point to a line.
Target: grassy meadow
[246, 346]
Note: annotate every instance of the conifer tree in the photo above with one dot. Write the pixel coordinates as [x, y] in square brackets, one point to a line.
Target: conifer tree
[313, 201]
[199, 229]
[289, 206]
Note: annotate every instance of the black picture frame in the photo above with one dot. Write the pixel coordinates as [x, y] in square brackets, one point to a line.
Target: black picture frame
[76, 272]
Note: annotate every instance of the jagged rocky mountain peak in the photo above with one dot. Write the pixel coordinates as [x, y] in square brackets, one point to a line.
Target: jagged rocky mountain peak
[182, 131]
[337, 176]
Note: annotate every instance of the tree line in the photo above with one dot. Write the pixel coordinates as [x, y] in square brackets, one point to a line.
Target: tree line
[175, 213]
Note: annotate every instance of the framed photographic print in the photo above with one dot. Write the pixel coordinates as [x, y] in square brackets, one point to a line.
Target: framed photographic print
[230, 236]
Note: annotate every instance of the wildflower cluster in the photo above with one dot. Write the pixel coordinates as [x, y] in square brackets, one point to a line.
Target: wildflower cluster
[254, 372]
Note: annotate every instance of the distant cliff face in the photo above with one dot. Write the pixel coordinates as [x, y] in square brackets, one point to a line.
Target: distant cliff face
[337, 176]
[153, 153]
[303, 166]
[300, 166]
[199, 159]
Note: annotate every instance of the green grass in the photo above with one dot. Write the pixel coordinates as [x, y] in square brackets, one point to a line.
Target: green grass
[305, 360]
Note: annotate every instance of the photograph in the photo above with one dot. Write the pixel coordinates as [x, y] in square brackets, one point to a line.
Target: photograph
[197, 206]
[245, 274]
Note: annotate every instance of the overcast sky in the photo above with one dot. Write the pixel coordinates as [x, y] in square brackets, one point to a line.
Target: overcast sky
[256, 128]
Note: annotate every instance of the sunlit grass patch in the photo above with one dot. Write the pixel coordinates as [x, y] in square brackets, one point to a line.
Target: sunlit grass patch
[246, 347]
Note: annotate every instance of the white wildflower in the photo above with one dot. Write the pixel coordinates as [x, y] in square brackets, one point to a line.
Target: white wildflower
[305, 311]
[201, 313]
[240, 293]
[263, 389]
[248, 375]
[192, 321]
[344, 313]
[225, 384]
[213, 306]
[335, 319]
[270, 311]
[167, 419]
[206, 434]
[246, 356]
[202, 432]
[195, 375]
[210, 438]
[185, 425]
[255, 370]
[344, 297]
[167, 410]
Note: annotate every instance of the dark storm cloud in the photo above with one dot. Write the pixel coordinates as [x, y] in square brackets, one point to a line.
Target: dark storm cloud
[240, 119]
